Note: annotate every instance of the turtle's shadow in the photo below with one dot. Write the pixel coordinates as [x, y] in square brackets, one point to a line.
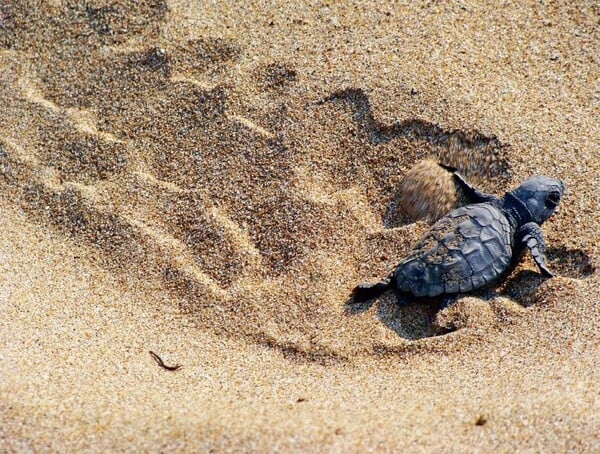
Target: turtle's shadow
[411, 321]
[420, 318]
[521, 287]
[523, 284]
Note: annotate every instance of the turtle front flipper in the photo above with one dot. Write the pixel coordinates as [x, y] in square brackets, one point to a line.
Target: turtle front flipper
[530, 236]
[474, 194]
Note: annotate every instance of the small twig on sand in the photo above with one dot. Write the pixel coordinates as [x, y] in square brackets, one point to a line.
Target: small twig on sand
[160, 362]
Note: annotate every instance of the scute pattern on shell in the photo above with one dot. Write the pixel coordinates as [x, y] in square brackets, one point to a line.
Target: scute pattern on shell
[462, 251]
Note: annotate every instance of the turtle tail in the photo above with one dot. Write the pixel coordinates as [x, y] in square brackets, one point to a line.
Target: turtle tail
[367, 292]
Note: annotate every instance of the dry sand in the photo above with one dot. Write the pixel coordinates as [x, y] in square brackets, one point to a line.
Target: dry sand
[209, 181]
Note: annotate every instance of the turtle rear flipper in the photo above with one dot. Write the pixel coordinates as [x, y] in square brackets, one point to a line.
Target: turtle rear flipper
[474, 194]
[367, 292]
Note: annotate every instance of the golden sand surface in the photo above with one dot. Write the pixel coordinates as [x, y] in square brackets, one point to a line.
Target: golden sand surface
[209, 181]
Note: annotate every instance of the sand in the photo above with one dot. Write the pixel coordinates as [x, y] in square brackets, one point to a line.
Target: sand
[210, 181]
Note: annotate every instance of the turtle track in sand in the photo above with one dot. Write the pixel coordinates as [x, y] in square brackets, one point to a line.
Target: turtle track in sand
[155, 158]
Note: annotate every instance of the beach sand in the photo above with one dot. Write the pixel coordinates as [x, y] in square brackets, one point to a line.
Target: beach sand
[210, 181]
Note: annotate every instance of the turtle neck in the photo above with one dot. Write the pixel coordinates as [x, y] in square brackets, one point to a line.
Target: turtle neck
[516, 211]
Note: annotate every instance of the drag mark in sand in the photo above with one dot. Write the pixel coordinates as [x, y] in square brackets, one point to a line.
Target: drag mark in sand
[252, 126]
[469, 151]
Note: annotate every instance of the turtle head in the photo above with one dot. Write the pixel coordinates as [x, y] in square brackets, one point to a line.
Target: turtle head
[541, 195]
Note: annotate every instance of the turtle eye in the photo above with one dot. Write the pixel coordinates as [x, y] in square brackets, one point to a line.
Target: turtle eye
[552, 199]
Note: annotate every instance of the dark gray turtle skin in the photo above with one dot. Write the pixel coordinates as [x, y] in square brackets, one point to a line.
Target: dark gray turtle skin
[474, 245]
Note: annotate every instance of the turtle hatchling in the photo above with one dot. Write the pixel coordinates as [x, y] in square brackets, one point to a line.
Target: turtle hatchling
[474, 245]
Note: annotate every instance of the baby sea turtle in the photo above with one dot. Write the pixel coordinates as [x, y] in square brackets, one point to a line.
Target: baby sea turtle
[475, 244]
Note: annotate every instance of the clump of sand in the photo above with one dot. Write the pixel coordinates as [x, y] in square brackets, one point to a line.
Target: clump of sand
[427, 192]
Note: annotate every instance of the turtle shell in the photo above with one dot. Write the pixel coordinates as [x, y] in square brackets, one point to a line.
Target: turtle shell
[466, 249]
